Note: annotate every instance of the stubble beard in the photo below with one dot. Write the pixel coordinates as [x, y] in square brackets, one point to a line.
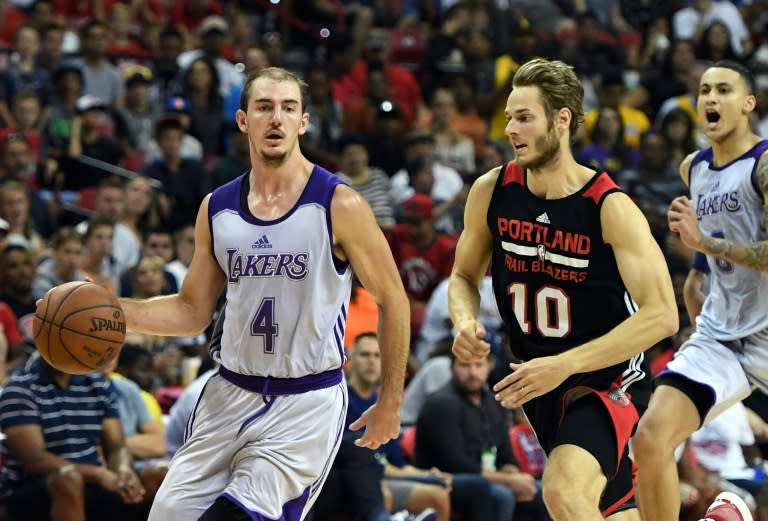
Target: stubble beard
[549, 144]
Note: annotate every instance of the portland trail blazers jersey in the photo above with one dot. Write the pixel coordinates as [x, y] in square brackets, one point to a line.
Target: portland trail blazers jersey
[556, 282]
[287, 293]
[729, 204]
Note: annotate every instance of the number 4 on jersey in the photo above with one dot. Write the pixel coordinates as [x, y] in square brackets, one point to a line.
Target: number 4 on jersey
[264, 325]
[552, 309]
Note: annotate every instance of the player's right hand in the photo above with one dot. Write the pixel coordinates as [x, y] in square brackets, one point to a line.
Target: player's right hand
[468, 344]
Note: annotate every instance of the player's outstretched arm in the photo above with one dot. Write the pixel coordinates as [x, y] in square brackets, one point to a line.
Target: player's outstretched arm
[188, 312]
[473, 252]
[682, 219]
[360, 240]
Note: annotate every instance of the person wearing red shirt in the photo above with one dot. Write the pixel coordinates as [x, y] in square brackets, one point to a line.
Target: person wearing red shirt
[11, 18]
[190, 13]
[424, 257]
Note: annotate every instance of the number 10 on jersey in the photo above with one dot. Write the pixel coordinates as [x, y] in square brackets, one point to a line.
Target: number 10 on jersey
[551, 309]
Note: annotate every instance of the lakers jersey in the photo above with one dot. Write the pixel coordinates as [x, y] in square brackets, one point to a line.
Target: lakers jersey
[729, 205]
[287, 293]
[555, 280]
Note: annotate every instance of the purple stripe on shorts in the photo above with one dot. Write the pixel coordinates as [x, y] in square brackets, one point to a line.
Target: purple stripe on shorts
[282, 386]
[291, 510]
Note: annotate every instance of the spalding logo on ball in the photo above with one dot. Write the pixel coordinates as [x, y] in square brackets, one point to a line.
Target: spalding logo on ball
[79, 327]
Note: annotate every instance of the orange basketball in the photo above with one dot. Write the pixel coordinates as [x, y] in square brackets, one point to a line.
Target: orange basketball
[79, 327]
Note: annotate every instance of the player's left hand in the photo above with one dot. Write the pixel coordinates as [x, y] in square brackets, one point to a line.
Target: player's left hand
[530, 380]
[682, 219]
[381, 423]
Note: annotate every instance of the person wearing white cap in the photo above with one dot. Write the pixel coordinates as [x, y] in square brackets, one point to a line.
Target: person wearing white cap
[213, 33]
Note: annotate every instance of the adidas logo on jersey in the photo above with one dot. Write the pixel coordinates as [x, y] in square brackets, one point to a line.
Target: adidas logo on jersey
[263, 242]
[543, 218]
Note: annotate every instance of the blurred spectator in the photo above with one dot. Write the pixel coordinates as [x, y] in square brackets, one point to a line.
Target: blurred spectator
[141, 211]
[64, 449]
[51, 46]
[656, 40]
[669, 78]
[190, 14]
[611, 94]
[606, 149]
[715, 44]
[158, 243]
[23, 74]
[451, 148]
[66, 265]
[495, 154]
[136, 363]
[472, 437]
[596, 56]
[360, 114]
[11, 18]
[12, 342]
[433, 373]
[184, 180]
[135, 122]
[99, 266]
[191, 148]
[406, 92]
[184, 248]
[371, 182]
[363, 314]
[236, 162]
[320, 142]
[164, 62]
[67, 89]
[15, 209]
[680, 134]
[18, 269]
[87, 138]
[121, 42]
[385, 146]
[691, 22]
[687, 101]
[424, 257]
[17, 163]
[213, 33]
[447, 181]
[200, 85]
[26, 113]
[466, 119]
[109, 202]
[254, 60]
[762, 105]
[101, 78]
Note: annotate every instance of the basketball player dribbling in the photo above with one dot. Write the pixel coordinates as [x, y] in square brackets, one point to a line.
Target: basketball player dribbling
[727, 355]
[282, 240]
[582, 287]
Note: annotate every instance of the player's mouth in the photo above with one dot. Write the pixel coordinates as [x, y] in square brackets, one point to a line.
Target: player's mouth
[519, 147]
[274, 137]
[712, 117]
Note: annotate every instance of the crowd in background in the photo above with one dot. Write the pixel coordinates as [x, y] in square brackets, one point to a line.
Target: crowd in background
[117, 118]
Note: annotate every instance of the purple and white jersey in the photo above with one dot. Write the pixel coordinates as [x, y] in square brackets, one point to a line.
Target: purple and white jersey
[730, 205]
[287, 293]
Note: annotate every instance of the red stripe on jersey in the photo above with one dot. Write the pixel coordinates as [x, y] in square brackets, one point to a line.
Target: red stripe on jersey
[512, 174]
[602, 184]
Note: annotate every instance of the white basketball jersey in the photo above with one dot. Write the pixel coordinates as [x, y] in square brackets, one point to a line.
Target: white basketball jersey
[729, 205]
[287, 293]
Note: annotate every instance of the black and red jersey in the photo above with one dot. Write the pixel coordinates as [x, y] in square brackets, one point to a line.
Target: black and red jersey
[556, 281]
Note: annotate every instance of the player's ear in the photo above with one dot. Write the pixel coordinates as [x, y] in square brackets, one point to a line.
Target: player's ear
[241, 120]
[749, 104]
[563, 118]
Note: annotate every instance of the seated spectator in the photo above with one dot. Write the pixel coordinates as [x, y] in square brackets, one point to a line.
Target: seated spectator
[462, 429]
[121, 42]
[369, 181]
[607, 150]
[434, 373]
[189, 14]
[27, 116]
[99, 265]
[12, 343]
[158, 242]
[320, 143]
[451, 148]
[363, 314]
[356, 478]
[101, 79]
[16, 208]
[137, 364]
[64, 451]
[23, 75]
[66, 264]
[67, 83]
[184, 180]
[200, 85]
[135, 122]
[18, 270]
[87, 138]
[184, 248]
[191, 148]
[142, 210]
[237, 161]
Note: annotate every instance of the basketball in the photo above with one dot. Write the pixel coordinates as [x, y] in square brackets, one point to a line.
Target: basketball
[79, 327]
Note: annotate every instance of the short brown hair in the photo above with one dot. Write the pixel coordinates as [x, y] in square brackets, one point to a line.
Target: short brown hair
[272, 73]
[559, 87]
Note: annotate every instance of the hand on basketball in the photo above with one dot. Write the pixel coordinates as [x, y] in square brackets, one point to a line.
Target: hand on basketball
[468, 344]
[682, 219]
[530, 380]
[382, 424]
